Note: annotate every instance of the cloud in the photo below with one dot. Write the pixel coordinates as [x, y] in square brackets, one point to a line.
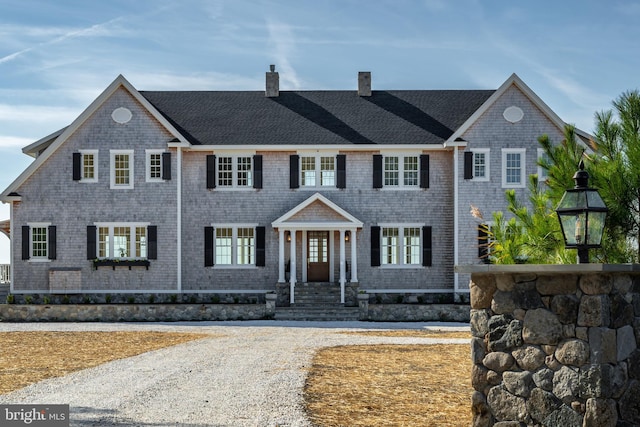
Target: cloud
[36, 114]
[199, 81]
[12, 142]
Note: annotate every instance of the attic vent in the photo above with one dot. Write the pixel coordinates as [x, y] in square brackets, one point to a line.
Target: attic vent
[513, 114]
[121, 115]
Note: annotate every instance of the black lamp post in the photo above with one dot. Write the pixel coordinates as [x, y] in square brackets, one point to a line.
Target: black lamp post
[582, 214]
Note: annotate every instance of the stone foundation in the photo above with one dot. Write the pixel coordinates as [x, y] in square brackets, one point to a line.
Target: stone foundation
[555, 345]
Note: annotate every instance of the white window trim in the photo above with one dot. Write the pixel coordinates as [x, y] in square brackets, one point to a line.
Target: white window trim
[148, 154]
[33, 225]
[523, 167]
[401, 227]
[234, 245]
[112, 169]
[401, 183]
[234, 171]
[318, 170]
[132, 238]
[95, 166]
[487, 165]
[542, 176]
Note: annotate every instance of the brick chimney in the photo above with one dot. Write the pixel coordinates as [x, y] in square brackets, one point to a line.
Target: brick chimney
[364, 83]
[273, 83]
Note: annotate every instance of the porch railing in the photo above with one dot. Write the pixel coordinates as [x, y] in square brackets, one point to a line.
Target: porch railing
[5, 273]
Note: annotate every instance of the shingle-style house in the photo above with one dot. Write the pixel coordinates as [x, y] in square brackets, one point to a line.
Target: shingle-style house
[255, 192]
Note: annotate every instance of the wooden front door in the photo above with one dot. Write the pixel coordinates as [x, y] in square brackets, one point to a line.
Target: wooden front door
[318, 256]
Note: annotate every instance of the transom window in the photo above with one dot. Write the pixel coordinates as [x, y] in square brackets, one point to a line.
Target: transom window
[234, 245]
[513, 168]
[235, 171]
[401, 171]
[318, 171]
[124, 241]
[401, 245]
[481, 164]
[89, 165]
[121, 168]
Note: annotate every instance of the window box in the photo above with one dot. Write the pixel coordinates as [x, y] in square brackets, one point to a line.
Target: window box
[113, 263]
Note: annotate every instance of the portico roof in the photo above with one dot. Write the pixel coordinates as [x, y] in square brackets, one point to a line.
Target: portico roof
[317, 213]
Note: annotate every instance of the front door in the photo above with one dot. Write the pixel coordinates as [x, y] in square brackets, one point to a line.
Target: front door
[318, 253]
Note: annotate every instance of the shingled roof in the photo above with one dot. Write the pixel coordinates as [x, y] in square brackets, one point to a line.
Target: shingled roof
[317, 117]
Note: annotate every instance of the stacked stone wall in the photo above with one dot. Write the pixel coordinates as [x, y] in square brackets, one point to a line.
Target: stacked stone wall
[555, 350]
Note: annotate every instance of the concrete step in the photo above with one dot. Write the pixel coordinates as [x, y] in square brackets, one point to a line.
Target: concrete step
[317, 313]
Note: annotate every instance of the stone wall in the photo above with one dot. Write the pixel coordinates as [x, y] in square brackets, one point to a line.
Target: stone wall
[555, 345]
[411, 312]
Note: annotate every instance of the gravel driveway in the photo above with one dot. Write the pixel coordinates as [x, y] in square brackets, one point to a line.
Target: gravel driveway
[253, 375]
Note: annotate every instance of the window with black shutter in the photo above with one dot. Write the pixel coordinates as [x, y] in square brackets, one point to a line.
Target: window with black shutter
[52, 242]
[25, 242]
[166, 166]
[152, 238]
[341, 171]
[375, 246]
[424, 171]
[260, 246]
[257, 171]
[294, 171]
[92, 232]
[427, 246]
[468, 165]
[208, 246]
[377, 171]
[77, 166]
[211, 171]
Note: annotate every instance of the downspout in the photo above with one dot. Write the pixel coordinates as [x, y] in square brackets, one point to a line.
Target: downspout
[456, 284]
[179, 219]
[11, 243]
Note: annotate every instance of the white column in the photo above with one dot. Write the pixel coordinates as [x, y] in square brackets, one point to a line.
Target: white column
[179, 218]
[343, 273]
[305, 256]
[281, 256]
[456, 224]
[331, 253]
[292, 282]
[354, 257]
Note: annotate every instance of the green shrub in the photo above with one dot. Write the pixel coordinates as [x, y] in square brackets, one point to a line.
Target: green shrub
[11, 299]
[28, 299]
[66, 299]
[173, 298]
[152, 299]
[46, 300]
[131, 300]
[107, 298]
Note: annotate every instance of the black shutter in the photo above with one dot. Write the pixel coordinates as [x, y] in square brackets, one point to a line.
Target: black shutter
[375, 246]
[152, 239]
[257, 171]
[260, 247]
[25, 241]
[91, 241]
[377, 171]
[52, 242]
[166, 166]
[424, 171]
[208, 246]
[483, 243]
[341, 171]
[427, 248]
[211, 171]
[294, 171]
[468, 165]
[77, 166]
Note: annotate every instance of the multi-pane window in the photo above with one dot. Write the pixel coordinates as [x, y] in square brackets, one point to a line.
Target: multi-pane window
[318, 171]
[401, 171]
[89, 165]
[513, 168]
[122, 240]
[234, 245]
[154, 165]
[39, 242]
[121, 168]
[235, 171]
[481, 164]
[401, 245]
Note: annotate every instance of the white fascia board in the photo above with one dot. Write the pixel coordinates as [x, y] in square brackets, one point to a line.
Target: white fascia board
[328, 148]
[350, 222]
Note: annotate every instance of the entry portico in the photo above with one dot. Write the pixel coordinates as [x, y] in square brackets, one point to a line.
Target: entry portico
[314, 224]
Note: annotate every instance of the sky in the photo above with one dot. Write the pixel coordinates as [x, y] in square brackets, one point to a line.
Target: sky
[56, 57]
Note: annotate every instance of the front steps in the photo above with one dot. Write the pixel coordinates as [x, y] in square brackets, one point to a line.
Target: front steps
[317, 302]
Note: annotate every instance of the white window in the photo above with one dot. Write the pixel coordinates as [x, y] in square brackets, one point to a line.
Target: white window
[234, 171]
[39, 241]
[121, 169]
[542, 172]
[122, 240]
[234, 245]
[481, 162]
[89, 165]
[513, 167]
[401, 245]
[401, 171]
[317, 171]
[154, 165]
